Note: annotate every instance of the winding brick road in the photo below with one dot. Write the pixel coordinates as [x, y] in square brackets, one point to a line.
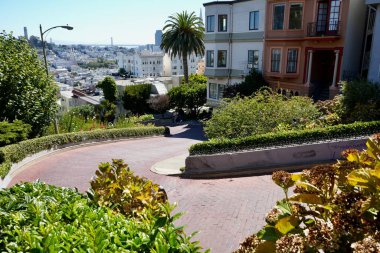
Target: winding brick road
[224, 211]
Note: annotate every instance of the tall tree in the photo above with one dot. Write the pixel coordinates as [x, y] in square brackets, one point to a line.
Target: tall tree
[26, 92]
[108, 85]
[183, 35]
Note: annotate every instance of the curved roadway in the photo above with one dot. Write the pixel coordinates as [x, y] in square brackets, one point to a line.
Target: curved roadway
[224, 211]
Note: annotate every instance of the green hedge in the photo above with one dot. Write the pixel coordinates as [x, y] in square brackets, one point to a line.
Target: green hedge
[13, 132]
[17, 152]
[285, 138]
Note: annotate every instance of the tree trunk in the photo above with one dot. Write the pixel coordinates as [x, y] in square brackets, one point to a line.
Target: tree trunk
[185, 66]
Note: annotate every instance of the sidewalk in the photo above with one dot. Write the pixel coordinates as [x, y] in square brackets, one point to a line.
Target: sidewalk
[171, 166]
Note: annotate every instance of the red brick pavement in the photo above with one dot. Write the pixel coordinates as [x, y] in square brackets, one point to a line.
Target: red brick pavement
[224, 211]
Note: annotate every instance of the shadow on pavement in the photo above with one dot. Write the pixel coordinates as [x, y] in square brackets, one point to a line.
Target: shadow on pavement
[192, 131]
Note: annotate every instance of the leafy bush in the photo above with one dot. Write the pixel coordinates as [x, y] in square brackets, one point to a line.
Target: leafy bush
[35, 217]
[87, 112]
[195, 78]
[263, 113]
[107, 111]
[251, 84]
[108, 85]
[17, 152]
[360, 101]
[117, 188]
[135, 98]
[26, 92]
[285, 138]
[13, 132]
[335, 208]
[159, 103]
[190, 96]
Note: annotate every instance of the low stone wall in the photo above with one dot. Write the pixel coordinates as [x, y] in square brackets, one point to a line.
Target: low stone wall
[269, 160]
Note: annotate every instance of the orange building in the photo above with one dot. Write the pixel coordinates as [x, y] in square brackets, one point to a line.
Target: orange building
[311, 45]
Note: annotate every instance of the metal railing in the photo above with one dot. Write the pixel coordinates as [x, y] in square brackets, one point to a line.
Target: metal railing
[322, 29]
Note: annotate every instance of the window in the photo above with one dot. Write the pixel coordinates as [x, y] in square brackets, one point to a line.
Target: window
[222, 58]
[295, 16]
[334, 15]
[222, 23]
[210, 58]
[210, 23]
[215, 91]
[291, 66]
[278, 16]
[253, 59]
[254, 20]
[276, 59]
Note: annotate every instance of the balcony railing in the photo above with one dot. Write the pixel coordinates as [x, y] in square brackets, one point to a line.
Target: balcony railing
[322, 29]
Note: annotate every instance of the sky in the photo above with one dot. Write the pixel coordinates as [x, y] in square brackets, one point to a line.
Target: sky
[94, 21]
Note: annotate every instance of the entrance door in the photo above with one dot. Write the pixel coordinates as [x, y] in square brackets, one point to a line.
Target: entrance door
[322, 73]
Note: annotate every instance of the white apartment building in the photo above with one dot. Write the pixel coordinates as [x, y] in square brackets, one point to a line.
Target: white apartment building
[192, 61]
[234, 43]
[142, 64]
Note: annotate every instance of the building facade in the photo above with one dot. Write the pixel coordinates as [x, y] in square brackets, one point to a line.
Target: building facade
[142, 64]
[311, 45]
[371, 51]
[234, 42]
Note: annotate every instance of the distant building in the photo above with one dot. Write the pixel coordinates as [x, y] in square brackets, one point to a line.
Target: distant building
[26, 33]
[158, 38]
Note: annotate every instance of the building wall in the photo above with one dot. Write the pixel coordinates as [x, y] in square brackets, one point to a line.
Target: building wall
[374, 66]
[236, 41]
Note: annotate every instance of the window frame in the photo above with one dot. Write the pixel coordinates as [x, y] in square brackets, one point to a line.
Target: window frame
[276, 60]
[218, 89]
[255, 63]
[218, 61]
[293, 61]
[210, 55]
[301, 18]
[255, 25]
[220, 17]
[283, 16]
[210, 27]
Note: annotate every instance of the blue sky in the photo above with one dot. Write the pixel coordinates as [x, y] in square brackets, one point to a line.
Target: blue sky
[94, 21]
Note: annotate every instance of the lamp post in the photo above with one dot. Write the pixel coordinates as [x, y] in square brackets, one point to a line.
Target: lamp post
[67, 27]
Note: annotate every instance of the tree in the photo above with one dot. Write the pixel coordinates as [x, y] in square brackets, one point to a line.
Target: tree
[159, 103]
[135, 98]
[251, 84]
[26, 92]
[122, 72]
[183, 35]
[195, 78]
[108, 85]
[192, 97]
[107, 111]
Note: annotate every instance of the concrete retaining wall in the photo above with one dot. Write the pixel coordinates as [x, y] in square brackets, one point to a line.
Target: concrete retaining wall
[269, 160]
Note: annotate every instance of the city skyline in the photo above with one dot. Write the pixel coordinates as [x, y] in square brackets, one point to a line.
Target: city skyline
[94, 22]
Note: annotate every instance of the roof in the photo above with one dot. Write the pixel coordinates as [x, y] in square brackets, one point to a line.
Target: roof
[224, 2]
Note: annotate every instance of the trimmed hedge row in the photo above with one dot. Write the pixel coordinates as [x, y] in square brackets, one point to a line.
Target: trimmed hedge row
[17, 152]
[215, 146]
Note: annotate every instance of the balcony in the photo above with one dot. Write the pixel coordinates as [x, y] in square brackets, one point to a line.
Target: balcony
[324, 29]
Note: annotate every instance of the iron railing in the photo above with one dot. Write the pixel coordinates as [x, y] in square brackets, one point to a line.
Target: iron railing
[322, 29]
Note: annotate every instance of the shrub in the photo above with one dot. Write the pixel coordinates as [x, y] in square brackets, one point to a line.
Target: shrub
[190, 96]
[360, 101]
[265, 112]
[195, 78]
[26, 92]
[335, 208]
[87, 112]
[285, 138]
[135, 98]
[251, 84]
[35, 217]
[117, 188]
[17, 152]
[107, 111]
[13, 132]
[159, 103]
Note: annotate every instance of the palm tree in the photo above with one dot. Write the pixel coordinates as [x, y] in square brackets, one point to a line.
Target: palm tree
[183, 35]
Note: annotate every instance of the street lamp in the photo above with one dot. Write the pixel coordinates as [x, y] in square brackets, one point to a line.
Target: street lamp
[67, 27]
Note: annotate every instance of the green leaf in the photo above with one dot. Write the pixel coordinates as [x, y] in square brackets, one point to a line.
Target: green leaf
[268, 233]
